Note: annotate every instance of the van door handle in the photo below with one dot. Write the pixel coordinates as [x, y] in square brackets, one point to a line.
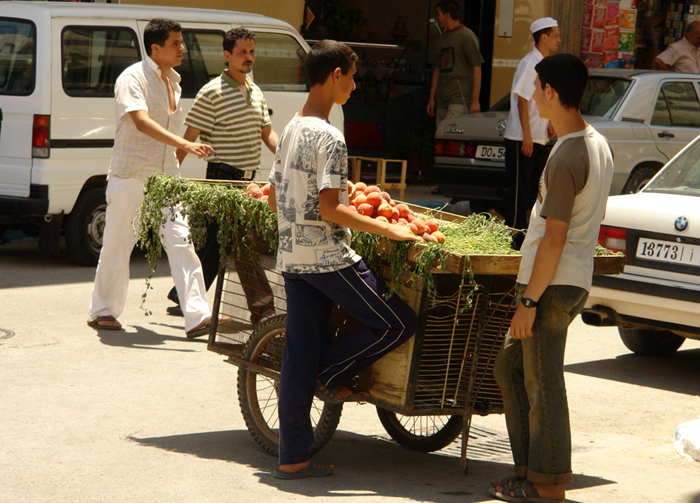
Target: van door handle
[0, 120]
[666, 134]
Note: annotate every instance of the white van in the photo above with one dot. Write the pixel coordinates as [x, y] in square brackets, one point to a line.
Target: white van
[58, 66]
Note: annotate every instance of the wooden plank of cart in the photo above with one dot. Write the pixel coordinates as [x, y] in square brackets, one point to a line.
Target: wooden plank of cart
[426, 391]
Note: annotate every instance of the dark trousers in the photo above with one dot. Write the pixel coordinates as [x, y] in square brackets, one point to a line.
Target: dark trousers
[309, 356]
[523, 174]
[257, 289]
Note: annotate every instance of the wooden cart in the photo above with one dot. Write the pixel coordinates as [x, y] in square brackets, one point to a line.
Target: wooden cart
[426, 391]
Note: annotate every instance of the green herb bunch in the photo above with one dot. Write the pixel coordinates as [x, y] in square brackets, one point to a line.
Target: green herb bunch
[478, 234]
[203, 202]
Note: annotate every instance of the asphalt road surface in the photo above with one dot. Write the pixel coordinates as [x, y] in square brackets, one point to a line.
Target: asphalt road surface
[148, 416]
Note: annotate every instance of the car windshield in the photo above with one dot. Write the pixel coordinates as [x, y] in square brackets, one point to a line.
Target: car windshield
[603, 95]
[681, 176]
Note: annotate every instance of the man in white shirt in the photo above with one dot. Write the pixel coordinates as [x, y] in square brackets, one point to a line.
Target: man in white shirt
[149, 115]
[682, 56]
[527, 133]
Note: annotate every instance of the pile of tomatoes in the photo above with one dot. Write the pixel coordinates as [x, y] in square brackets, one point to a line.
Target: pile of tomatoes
[370, 201]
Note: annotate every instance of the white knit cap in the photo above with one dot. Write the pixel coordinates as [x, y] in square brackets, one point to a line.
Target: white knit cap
[542, 23]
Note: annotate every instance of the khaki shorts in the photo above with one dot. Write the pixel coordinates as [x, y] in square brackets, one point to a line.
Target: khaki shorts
[443, 113]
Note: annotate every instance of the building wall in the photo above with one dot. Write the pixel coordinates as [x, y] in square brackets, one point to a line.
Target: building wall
[507, 52]
[290, 11]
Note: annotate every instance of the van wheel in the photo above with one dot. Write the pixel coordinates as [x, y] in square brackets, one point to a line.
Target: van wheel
[651, 342]
[85, 226]
[640, 178]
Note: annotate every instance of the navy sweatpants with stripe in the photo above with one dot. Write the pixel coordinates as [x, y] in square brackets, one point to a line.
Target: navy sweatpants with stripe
[308, 356]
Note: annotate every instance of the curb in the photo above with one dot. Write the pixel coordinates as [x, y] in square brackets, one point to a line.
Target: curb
[687, 439]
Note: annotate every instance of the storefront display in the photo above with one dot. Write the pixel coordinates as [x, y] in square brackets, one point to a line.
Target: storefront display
[633, 31]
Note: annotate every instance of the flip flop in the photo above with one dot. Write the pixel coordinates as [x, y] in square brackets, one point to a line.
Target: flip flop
[100, 319]
[327, 394]
[199, 330]
[204, 327]
[527, 494]
[313, 470]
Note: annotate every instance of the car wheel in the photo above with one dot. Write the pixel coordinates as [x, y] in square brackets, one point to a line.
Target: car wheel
[646, 342]
[639, 178]
[85, 226]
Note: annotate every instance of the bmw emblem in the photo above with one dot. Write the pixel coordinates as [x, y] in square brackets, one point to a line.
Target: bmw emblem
[681, 224]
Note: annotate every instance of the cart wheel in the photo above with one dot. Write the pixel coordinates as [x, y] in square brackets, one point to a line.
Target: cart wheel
[257, 394]
[421, 433]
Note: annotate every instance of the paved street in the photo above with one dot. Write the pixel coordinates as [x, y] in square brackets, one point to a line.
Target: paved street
[146, 415]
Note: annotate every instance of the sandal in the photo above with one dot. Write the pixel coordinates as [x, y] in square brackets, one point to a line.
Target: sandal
[510, 481]
[329, 395]
[199, 330]
[99, 323]
[312, 470]
[204, 327]
[522, 492]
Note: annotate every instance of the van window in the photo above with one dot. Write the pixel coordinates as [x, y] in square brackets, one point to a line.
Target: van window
[279, 63]
[93, 57]
[203, 60]
[17, 57]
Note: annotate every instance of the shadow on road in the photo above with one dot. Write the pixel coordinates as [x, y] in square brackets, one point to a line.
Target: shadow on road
[23, 265]
[679, 373]
[366, 466]
[143, 338]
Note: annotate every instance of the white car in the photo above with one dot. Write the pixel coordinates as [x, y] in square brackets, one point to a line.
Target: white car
[655, 303]
[647, 117]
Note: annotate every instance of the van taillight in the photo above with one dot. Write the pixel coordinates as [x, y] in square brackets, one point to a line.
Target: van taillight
[613, 239]
[41, 136]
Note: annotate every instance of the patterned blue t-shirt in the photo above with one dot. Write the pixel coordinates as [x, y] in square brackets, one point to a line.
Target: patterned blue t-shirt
[311, 156]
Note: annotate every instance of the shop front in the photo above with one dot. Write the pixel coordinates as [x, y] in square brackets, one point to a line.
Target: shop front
[631, 33]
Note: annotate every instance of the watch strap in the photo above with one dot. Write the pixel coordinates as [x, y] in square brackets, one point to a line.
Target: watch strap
[527, 302]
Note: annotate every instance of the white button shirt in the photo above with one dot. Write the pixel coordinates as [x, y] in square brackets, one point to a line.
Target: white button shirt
[135, 154]
[524, 86]
[682, 56]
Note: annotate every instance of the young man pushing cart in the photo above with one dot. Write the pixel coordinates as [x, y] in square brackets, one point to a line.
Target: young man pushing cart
[320, 269]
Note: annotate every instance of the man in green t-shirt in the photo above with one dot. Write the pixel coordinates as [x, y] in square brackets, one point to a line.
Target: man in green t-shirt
[456, 80]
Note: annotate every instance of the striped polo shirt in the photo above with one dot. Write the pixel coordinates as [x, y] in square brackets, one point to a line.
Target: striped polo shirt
[231, 120]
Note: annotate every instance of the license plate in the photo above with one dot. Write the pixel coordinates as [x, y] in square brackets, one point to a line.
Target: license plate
[667, 251]
[487, 152]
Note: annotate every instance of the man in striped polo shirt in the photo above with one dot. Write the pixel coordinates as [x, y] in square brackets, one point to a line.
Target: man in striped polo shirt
[230, 114]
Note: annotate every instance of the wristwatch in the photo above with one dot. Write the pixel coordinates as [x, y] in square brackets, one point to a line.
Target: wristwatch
[528, 302]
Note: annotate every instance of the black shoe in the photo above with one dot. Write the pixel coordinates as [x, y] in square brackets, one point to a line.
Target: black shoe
[172, 296]
[256, 318]
[174, 310]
